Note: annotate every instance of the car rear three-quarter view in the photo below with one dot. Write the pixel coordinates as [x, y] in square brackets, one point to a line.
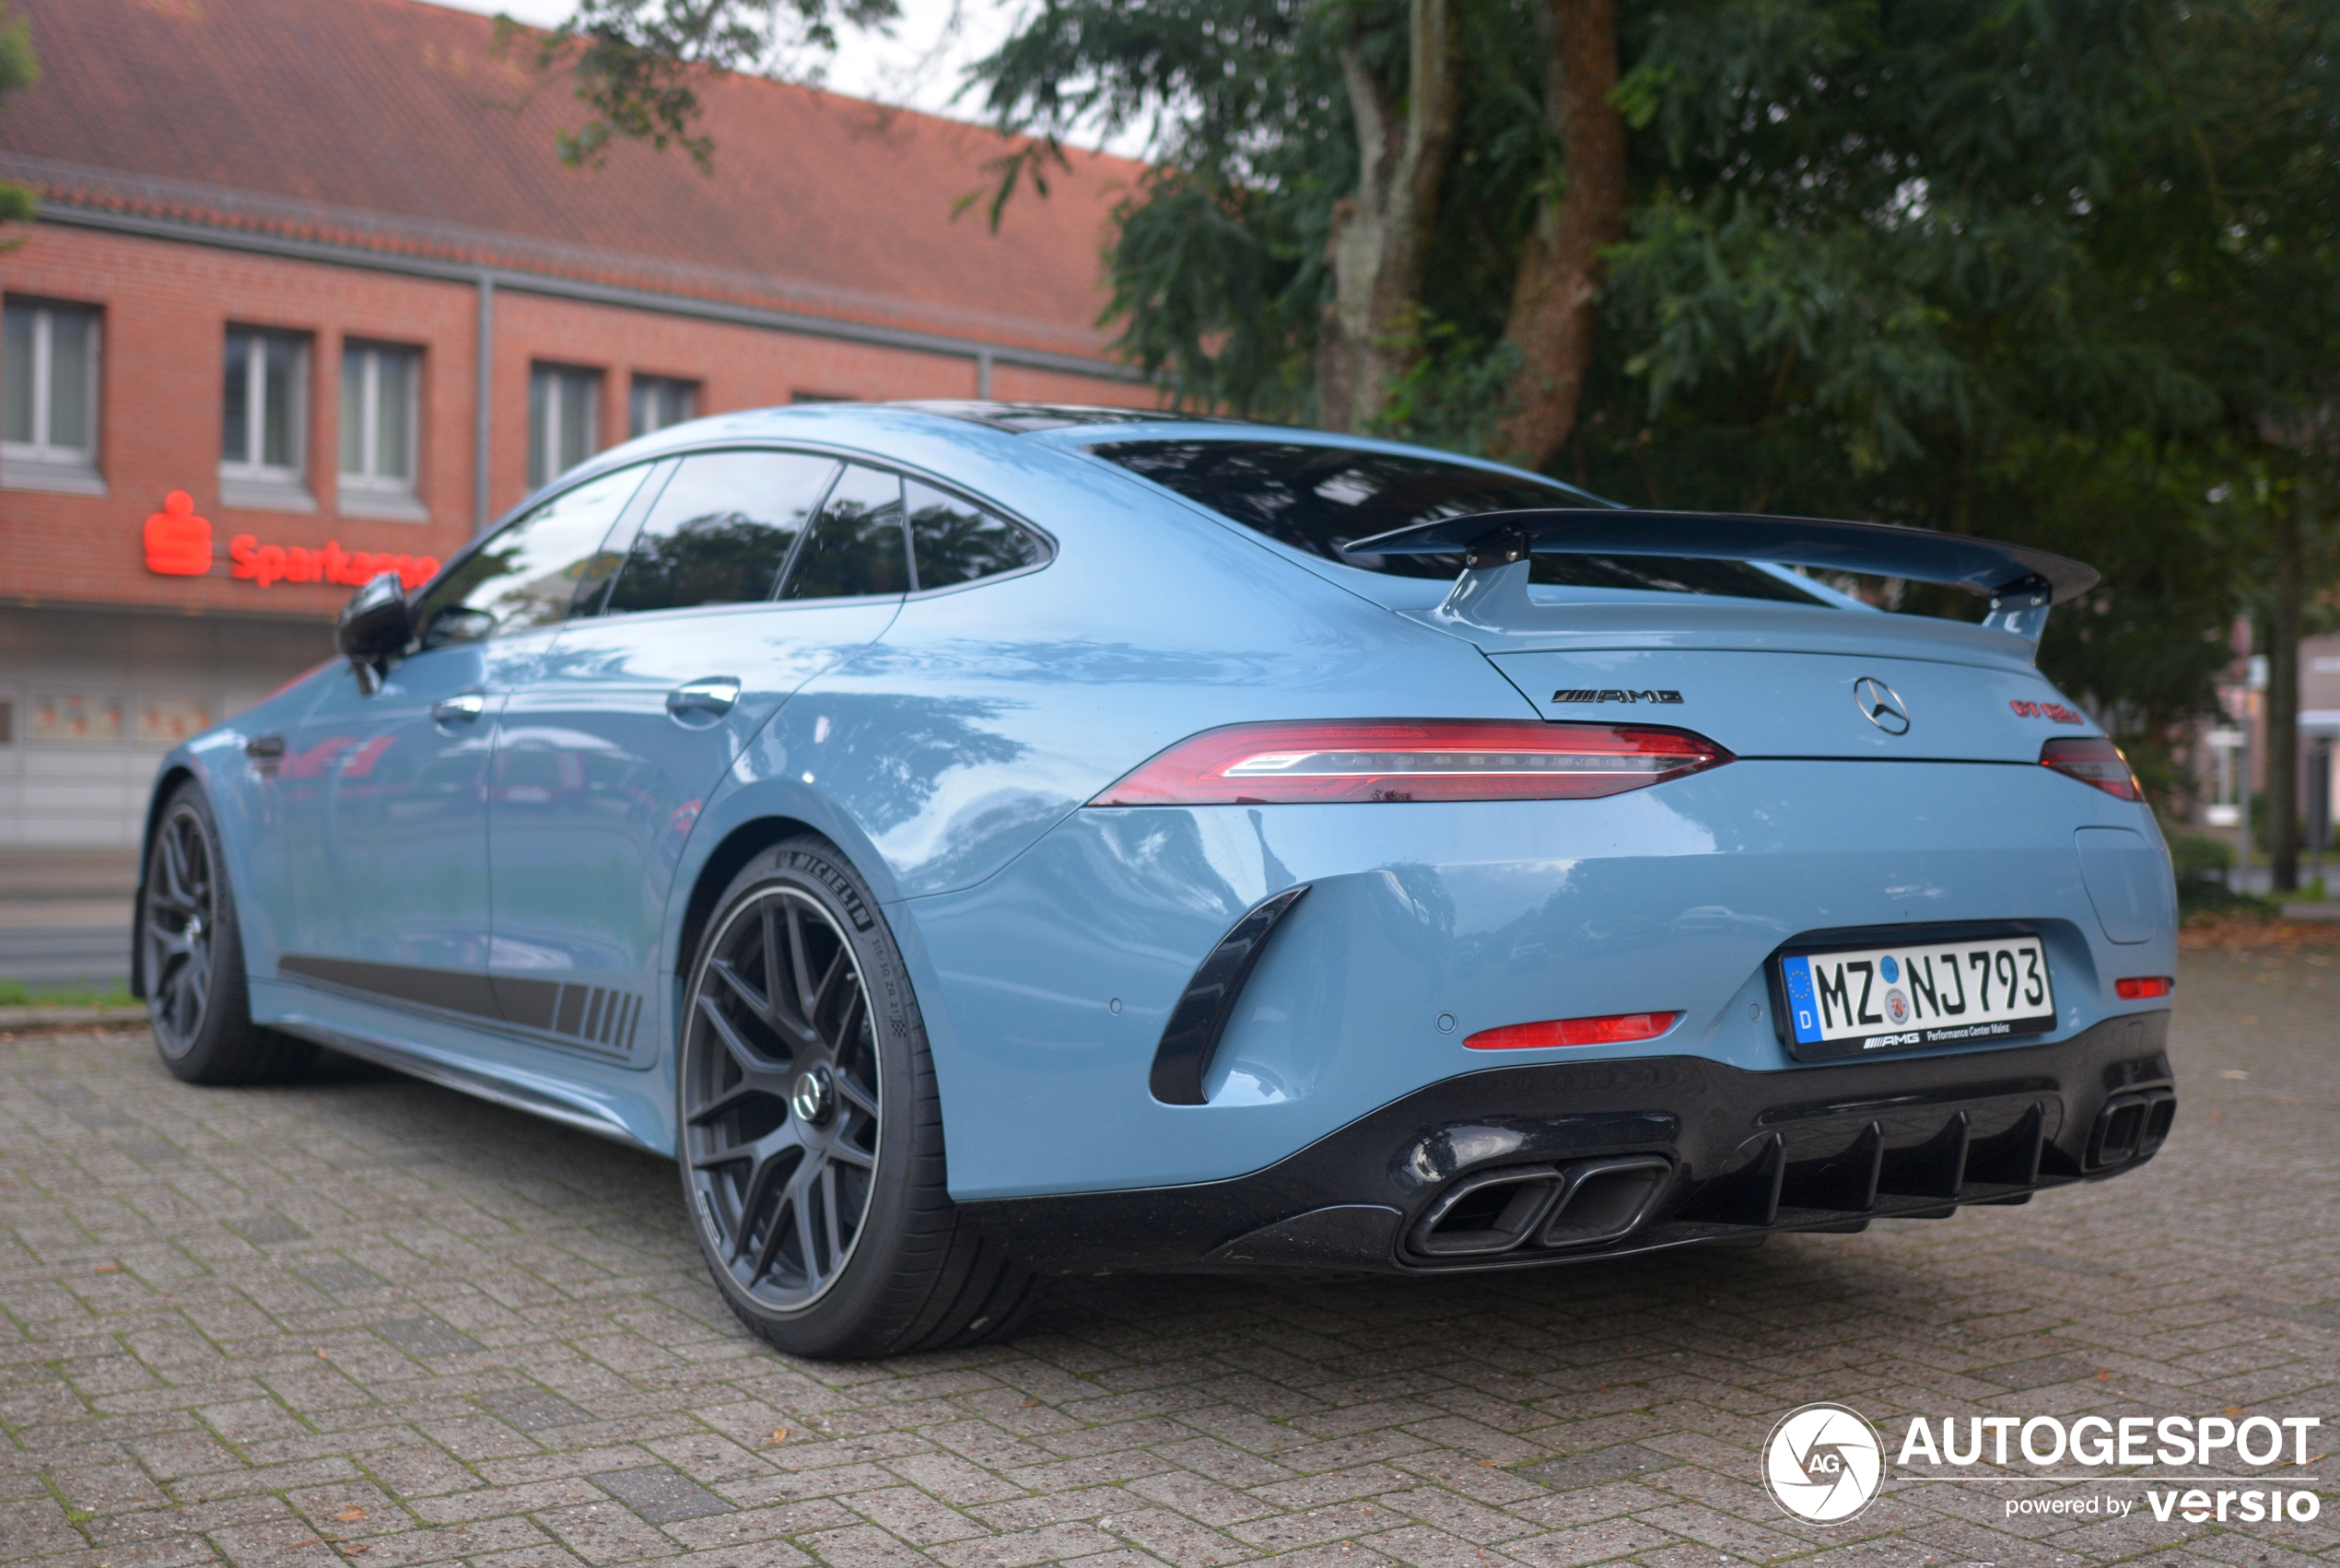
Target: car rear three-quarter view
[982, 842]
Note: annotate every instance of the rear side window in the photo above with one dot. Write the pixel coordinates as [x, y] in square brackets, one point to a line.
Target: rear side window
[527, 574]
[858, 546]
[1321, 499]
[720, 531]
[954, 541]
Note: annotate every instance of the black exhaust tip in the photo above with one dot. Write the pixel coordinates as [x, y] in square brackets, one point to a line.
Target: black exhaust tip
[2131, 1127]
[1486, 1214]
[1603, 1199]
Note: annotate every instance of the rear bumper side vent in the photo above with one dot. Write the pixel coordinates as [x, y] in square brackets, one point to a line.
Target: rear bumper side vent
[1582, 1203]
[2130, 1127]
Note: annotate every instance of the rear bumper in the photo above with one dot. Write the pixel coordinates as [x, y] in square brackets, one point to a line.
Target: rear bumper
[1566, 1162]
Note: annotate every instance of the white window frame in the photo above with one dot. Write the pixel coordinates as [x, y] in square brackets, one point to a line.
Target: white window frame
[38, 464]
[660, 388]
[544, 459]
[255, 483]
[365, 491]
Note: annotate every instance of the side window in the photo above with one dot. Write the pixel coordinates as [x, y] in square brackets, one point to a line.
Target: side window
[720, 531]
[954, 541]
[857, 547]
[526, 575]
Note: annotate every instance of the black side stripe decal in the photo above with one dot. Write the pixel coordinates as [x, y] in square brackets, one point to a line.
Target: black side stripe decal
[597, 1015]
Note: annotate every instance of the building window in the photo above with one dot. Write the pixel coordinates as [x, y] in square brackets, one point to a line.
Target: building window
[564, 410]
[264, 423]
[660, 400]
[49, 407]
[380, 400]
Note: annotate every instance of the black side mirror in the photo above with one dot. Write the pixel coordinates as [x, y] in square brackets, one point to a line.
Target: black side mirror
[375, 628]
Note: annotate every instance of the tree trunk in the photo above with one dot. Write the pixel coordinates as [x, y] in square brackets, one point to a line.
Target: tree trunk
[1380, 243]
[1555, 304]
[2283, 609]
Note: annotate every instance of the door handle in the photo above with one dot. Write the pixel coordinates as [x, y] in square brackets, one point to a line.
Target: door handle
[703, 701]
[466, 706]
[264, 748]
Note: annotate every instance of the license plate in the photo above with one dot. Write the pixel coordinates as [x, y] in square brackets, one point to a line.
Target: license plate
[1852, 1002]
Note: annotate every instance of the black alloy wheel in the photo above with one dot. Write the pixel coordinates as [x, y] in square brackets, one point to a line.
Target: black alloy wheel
[810, 1130]
[191, 957]
[781, 1109]
[181, 921]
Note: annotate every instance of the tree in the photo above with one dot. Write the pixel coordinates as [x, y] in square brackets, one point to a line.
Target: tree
[636, 63]
[19, 68]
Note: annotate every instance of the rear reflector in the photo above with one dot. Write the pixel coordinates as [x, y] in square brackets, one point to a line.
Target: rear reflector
[1418, 759]
[2092, 760]
[1617, 1028]
[2143, 986]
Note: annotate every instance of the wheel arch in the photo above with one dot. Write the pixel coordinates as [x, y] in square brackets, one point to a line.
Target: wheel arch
[736, 848]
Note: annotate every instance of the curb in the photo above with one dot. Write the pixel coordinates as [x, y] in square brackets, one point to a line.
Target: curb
[16, 1018]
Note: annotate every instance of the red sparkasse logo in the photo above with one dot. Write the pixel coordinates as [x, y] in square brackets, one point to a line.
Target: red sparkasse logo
[177, 544]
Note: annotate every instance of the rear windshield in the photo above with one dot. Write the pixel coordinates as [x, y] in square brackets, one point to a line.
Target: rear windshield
[1319, 498]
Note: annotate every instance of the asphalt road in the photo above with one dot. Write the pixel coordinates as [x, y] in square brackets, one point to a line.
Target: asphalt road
[368, 1320]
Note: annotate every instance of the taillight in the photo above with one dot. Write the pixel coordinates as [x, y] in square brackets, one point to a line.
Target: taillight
[1617, 1028]
[1415, 759]
[2143, 987]
[2093, 760]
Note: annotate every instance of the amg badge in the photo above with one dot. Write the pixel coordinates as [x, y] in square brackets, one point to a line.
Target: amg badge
[1588, 693]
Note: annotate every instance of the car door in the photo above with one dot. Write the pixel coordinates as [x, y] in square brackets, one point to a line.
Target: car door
[387, 820]
[604, 760]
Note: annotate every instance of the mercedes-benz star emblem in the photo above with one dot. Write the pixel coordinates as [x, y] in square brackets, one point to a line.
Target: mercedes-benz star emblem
[810, 1097]
[1881, 706]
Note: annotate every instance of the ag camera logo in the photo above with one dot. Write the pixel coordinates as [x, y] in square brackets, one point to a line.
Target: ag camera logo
[1823, 1463]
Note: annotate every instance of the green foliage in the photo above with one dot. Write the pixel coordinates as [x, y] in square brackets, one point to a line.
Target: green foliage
[637, 64]
[17, 993]
[1218, 268]
[19, 68]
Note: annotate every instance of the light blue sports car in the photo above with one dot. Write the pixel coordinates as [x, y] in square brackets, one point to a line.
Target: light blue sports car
[981, 842]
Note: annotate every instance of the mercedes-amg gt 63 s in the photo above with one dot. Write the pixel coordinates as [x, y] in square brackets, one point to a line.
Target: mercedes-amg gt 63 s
[980, 842]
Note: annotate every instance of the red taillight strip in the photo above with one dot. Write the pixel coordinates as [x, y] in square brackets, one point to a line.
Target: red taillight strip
[2092, 759]
[1615, 1028]
[1421, 759]
[2140, 988]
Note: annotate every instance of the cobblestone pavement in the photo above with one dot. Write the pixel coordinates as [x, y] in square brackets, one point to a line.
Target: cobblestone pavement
[365, 1319]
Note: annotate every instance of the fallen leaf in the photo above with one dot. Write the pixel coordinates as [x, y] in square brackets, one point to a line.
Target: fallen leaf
[2236, 1410]
[2216, 1114]
[1029, 1405]
[352, 1549]
[351, 1515]
[1490, 1463]
[780, 1435]
[2105, 1375]
[107, 1269]
[321, 1353]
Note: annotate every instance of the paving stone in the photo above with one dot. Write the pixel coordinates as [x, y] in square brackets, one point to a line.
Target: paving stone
[660, 1495]
[525, 1367]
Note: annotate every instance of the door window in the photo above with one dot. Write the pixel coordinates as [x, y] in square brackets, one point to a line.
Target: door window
[954, 541]
[721, 529]
[857, 547]
[526, 576]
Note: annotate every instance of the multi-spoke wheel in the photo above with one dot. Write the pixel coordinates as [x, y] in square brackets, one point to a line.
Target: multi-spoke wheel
[809, 1133]
[781, 1113]
[181, 919]
[192, 961]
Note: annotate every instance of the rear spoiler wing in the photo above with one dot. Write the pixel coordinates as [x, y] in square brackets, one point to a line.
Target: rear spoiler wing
[2022, 582]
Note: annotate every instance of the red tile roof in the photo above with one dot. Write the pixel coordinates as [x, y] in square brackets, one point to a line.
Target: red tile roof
[392, 124]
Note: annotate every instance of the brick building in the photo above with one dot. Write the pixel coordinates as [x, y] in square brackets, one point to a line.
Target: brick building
[314, 264]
